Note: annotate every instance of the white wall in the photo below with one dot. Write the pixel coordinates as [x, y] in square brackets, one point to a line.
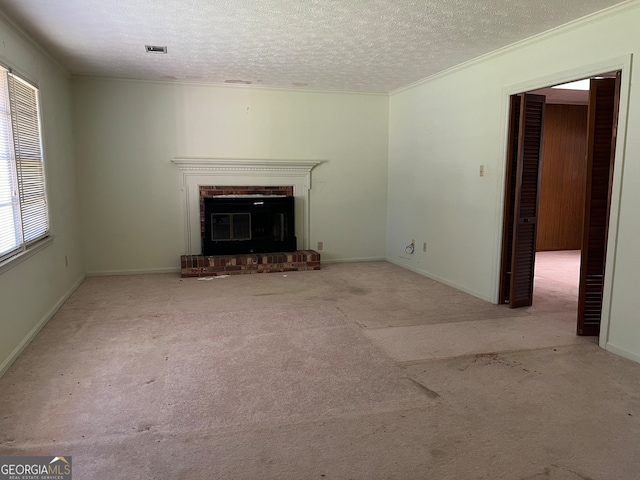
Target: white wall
[32, 290]
[443, 129]
[127, 132]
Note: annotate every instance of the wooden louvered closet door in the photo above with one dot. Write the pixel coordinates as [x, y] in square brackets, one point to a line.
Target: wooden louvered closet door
[601, 141]
[521, 200]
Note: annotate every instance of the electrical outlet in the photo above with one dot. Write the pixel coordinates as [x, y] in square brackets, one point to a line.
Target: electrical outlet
[424, 247]
[320, 245]
[482, 170]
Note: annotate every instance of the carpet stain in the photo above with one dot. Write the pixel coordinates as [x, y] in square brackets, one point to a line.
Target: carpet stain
[494, 358]
[145, 428]
[583, 477]
[554, 471]
[356, 291]
[428, 392]
[546, 473]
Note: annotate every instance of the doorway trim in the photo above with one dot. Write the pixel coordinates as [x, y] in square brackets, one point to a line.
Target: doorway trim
[622, 63]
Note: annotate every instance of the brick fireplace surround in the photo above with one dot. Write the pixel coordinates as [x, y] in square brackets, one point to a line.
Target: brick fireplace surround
[201, 266]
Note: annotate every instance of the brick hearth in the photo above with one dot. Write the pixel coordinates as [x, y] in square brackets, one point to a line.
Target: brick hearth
[201, 266]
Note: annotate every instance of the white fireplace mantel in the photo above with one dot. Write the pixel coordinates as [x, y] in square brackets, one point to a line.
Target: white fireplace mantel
[251, 165]
[250, 172]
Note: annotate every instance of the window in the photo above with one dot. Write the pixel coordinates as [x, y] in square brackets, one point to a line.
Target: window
[24, 217]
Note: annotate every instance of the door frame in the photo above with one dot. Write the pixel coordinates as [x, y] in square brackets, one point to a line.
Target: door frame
[623, 64]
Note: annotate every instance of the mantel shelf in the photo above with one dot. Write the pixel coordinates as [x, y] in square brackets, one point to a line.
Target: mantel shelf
[255, 165]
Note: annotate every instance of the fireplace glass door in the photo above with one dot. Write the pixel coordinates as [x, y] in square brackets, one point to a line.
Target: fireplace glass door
[230, 226]
[237, 224]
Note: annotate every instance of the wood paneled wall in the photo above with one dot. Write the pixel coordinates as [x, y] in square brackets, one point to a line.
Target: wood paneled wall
[563, 178]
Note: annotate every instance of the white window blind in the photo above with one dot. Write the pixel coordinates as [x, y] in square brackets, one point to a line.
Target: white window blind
[23, 204]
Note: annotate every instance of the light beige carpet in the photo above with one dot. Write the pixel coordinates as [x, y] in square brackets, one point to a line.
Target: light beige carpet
[357, 371]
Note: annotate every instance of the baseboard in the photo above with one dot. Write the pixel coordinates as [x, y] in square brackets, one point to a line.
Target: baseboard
[133, 272]
[36, 329]
[622, 352]
[482, 296]
[353, 260]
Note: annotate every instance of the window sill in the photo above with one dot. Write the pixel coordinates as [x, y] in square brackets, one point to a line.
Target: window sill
[28, 253]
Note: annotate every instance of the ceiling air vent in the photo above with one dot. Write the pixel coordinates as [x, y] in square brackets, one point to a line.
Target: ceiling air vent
[155, 49]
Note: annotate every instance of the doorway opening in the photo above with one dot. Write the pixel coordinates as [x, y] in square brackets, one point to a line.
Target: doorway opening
[560, 160]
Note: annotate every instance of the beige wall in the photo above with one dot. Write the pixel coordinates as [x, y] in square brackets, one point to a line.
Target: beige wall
[32, 290]
[443, 129]
[127, 133]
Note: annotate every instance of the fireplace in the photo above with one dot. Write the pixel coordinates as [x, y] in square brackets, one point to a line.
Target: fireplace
[203, 178]
[235, 224]
[222, 174]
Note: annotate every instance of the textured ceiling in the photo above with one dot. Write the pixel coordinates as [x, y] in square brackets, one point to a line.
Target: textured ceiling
[355, 45]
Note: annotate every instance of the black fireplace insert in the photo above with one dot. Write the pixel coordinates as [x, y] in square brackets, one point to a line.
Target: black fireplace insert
[248, 224]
